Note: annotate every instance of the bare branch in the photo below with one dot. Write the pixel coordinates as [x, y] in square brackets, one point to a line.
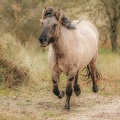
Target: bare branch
[118, 13]
[107, 10]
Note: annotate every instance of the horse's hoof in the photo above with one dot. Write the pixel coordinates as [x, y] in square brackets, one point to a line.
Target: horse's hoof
[62, 93]
[77, 93]
[77, 90]
[95, 89]
[66, 107]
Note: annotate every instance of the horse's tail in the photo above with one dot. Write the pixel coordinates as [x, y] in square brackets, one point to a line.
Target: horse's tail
[89, 75]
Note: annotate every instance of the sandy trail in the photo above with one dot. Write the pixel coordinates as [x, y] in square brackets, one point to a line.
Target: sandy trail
[41, 106]
[104, 109]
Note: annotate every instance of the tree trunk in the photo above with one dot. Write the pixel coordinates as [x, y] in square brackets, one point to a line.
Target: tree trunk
[114, 33]
[114, 41]
[112, 8]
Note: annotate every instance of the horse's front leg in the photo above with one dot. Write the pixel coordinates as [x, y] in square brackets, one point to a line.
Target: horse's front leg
[55, 79]
[69, 90]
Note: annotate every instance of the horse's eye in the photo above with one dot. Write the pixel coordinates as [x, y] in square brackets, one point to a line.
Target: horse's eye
[54, 25]
[41, 23]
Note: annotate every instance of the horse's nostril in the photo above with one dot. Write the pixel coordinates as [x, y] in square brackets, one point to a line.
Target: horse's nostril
[44, 40]
[40, 40]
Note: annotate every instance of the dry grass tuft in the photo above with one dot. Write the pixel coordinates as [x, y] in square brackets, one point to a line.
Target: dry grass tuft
[12, 74]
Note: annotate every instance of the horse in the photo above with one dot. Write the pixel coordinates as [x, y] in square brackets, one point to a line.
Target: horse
[70, 51]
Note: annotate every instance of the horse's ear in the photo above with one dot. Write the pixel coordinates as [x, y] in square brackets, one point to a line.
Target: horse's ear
[44, 12]
[58, 14]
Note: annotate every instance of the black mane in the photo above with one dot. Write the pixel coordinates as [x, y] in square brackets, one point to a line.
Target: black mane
[49, 13]
[65, 20]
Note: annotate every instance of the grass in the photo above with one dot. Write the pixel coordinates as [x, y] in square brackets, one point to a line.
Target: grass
[108, 63]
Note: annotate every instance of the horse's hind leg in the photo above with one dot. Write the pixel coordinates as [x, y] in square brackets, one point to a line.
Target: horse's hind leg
[93, 72]
[55, 79]
[76, 86]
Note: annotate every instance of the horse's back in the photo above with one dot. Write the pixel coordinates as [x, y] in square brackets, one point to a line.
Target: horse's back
[86, 28]
[87, 39]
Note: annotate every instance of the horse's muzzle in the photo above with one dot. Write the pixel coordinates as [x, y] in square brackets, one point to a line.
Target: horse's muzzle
[43, 41]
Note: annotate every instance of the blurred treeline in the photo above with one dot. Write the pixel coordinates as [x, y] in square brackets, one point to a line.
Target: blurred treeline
[20, 18]
[21, 58]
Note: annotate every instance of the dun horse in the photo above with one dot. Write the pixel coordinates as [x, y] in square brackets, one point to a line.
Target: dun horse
[70, 51]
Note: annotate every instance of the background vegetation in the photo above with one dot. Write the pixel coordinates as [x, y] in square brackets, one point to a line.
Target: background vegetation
[24, 63]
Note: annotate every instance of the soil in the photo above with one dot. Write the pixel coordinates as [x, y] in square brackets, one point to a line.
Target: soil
[44, 105]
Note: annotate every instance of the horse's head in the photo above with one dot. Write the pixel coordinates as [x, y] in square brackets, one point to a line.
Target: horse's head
[50, 26]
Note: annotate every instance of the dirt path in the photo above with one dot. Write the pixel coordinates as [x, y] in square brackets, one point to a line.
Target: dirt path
[104, 109]
[41, 106]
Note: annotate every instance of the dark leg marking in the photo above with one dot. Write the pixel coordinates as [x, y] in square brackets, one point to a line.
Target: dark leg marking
[93, 75]
[69, 92]
[76, 86]
[56, 91]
